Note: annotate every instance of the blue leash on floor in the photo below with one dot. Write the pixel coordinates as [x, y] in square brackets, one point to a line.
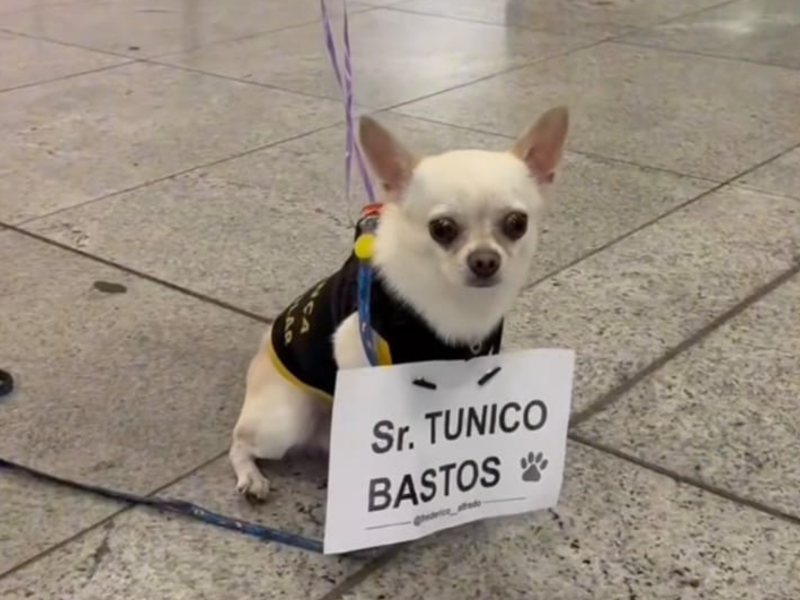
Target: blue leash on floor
[265, 534]
[181, 507]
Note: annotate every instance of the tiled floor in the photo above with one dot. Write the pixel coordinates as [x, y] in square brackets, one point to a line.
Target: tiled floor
[191, 151]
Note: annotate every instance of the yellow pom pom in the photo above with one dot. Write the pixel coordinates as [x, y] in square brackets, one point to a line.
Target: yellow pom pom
[365, 246]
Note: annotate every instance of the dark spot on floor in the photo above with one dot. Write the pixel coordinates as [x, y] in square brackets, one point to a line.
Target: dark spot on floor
[557, 518]
[107, 287]
[134, 48]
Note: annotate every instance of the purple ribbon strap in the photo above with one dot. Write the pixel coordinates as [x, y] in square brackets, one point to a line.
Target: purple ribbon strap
[346, 87]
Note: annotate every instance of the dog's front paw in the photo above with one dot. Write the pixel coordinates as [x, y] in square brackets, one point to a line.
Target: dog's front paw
[253, 486]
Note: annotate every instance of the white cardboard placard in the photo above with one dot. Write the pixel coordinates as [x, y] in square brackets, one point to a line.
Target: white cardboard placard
[407, 461]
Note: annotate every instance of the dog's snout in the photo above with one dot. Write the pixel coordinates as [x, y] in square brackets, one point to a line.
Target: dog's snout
[484, 263]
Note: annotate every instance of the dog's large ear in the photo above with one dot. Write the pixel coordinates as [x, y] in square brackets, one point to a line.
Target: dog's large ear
[542, 145]
[388, 157]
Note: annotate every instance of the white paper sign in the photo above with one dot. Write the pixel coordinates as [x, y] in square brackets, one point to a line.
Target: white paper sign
[408, 460]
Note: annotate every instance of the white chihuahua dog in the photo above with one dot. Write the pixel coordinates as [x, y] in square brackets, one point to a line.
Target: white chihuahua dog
[456, 234]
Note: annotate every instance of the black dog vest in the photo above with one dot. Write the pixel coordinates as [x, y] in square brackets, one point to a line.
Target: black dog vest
[302, 336]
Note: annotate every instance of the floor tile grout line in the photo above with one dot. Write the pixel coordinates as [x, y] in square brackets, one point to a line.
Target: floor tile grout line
[690, 13]
[685, 479]
[698, 336]
[506, 71]
[260, 84]
[111, 517]
[49, 40]
[372, 566]
[143, 275]
[367, 8]
[624, 236]
[766, 192]
[156, 61]
[727, 58]
[67, 76]
[578, 151]
[176, 174]
[632, 163]
[662, 216]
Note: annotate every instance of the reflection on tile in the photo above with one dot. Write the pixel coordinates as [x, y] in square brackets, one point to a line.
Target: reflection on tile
[121, 383]
[556, 15]
[618, 532]
[700, 116]
[10, 6]
[623, 308]
[724, 411]
[397, 56]
[780, 176]
[282, 210]
[143, 555]
[27, 61]
[25, 505]
[70, 141]
[759, 30]
[532, 16]
[142, 28]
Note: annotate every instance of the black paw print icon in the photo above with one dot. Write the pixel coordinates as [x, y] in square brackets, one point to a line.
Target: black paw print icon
[532, 466]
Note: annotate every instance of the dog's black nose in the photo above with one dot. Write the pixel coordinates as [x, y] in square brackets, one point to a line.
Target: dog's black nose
[484, 263]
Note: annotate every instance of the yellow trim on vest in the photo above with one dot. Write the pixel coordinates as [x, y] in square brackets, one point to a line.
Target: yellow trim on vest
[384, 359]
[288, 376]
[383, 352]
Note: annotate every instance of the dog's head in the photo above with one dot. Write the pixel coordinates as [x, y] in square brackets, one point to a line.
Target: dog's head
[460, 229]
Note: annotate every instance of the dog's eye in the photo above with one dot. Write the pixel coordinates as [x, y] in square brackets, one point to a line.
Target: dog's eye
[443, 231]
[515, 225]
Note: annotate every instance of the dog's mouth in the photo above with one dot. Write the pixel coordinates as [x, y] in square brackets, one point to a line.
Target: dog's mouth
[483, 282]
